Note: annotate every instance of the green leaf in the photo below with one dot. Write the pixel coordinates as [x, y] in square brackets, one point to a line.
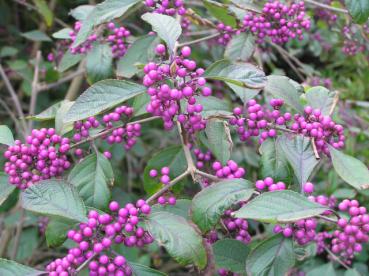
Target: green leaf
[56, 231]
[351, 272]
[5, 187]
[141, 270]
[213, 106]
[139, 104]
[92, 178]
[245, 94]
[240, 48]
[231, 255]
[11, 268]
[99, 63]
[299, 154]
[167, 27]
[81, 12]
[280, 207]
[284, 88]
[325, 269]
[103, 12]
[62, 127]
[28, 243]
[68, 60]
[140, 52]
[36, 35]
[273, 162]
[8, 51]
[211, 203]
[47, 114]
[220, 12]
[43, 9]
[6, 136]
[102, 96]
[350, 169]
[359, 10]
[219, 139]
[321, 98]
[241, 74]
[62, 34]
[172, 157]
[272, 257]
[181, 208]
[54, 198]
[178, 237]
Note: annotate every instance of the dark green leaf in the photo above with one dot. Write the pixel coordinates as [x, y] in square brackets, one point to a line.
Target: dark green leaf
[92, 178]
[69, 60]
[99, 63]
[271, 257]
[350, 169]
[28, 242]
[220, 12]
[5, 188]
[280, 207]
[140, 52]
[178, 237]
[11, 268]
[181, 208]
[359, 10]
[6, 136]
[167, 27]
[141, 270]
[47, 114]
[321, 98]
[56, 231]
[54, 198]
[101, 96]
[245, 94]
[211, 203]
[231, 255]
[61, 126]
[213, 106]
[36, 35]
[139, 104]
[240, 48]
[44, 10]
[241, 74]
[326, 269]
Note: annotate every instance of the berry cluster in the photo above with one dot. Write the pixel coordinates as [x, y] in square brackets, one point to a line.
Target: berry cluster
[278, 21]
[353, 42]
[85, 46]
[165, 101]
[303, 231]
[325, 14]
[164, 178]
[317, 81]
[118, 40]
[268, 183]
[95, 238]
[226, 33]
[201, 157]
[231, 170]
[237, 227]
[43, 156]
[168, 7]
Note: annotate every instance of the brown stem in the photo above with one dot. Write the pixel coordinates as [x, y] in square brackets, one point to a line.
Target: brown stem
[34, 92]
[316, 153]
[334, 104]
[198, 40]
[327, 7]
[82, 266]
[71, 76]
[75, 84]
[337, 259]
[209, 176]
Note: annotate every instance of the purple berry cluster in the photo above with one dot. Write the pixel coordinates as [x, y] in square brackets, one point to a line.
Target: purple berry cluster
[164, 179]
[325, 14]
[202, 158]
[353, 44]
[268, 183]
[230, 170]
[95, 238]
[118, 40]
[85, 46]
[303, 231]
[236, 227]
[168, 7]
[226, 33]
[165, 100]
[278, 21]
[317, 81]
[44, 155]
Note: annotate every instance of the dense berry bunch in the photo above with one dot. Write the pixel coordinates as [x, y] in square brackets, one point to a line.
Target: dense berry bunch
[202, 158]
[165, 100]
[258, 121]
[278, 21]
[164, 178]
[231, 170]
[268, 183]
[168, 7]
[226, 33]
[95, 238]
[84, 47]
[320, 127]
[326, 14]
[44, 155]
[236, 227]
[317, 81]
[303, 231]
[118, 40]
[353, 42]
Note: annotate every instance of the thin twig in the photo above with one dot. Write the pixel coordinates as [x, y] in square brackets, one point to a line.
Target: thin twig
[327, 219]
[12, 116]
[199, 40]
[34, 92]
[15, 99]
[211, 177]
[71, 76]
[191, 165]
[327, 7]
[82, 266]
[316, 153]
[335, 102]
[337, 259]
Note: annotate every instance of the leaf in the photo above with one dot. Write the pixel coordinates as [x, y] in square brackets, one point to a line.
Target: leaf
[167, 27]
[274, 256]
[352, 272]
[11, 268]
[45, 11]
[8, 51]
[231, 255]
[172, 157]
[81, 12]
[220, 12]
[240, 48]
[139, 53]
[181, 208]
[284, 88]
[60, 126]
[62, 34]
[92, 178]
[6, 136]
[54, 198]
[213, 106]
[139, 104]
[280, 207]
[241, 74]
[273, 161]
[359, 10]
[325, 269]
[28, 242]
[350, 169]
[56, 231]
[102, 96]
[178, 237]
[141, 270]
[5, 188]
[103, 12]
[68, 60]
[299, 154]
[321, 98]
[99, 63]
[245, 94]
[47, 114]
[36, 35]
[211, 203]
[219, 139]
